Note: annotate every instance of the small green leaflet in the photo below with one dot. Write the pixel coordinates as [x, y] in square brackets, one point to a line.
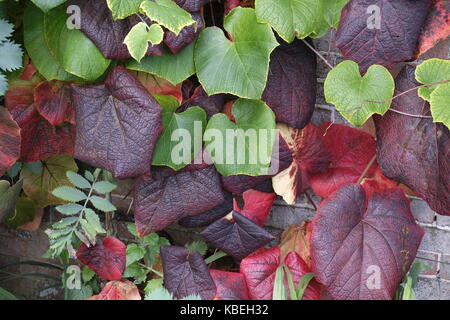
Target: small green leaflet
[243, 147]
[123, 8]
[182, 137]
[46, 5]
[155, 34]
[102, 204]
[168, 14]
[136, 41]
[432, 71]
[175, 68]
[104, 187]
[241, 66]
[358, 98]
[199, 246]
[77, 180]
[134, 253]
[69, 194]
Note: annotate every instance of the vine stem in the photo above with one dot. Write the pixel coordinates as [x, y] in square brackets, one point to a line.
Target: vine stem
[318, 54]
[366, 169]
[152, 270]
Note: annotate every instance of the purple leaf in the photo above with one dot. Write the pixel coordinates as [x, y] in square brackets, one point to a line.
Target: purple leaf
[211, 104]
[238, 238]
[118, 123]
[186, 36]
[362, 39]
[192, 5]
[206, 218]
[185, 273]
[291, 84]
[108, 34]
[167, 196]
[415, 151]
[362, 247]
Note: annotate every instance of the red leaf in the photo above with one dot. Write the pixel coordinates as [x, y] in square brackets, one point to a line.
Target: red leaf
[436, 27]
[107, 258]
[415, 151]
[53, 101]
[310, 156]
[291, 84]
[9, 141]
[257, 206]
[230, 285]
[185, 273]
[41, 140]
[28, 72]
[259, 272]
[118, 124]
[297, 238]
[359, 242]
[231, 4]
[167, 196]
[156, 85]
[351, 150]
[394, 41]
[118, 290]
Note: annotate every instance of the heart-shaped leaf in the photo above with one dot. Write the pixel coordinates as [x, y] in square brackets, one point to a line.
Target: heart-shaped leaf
[206, 218]
[211, 104]
[245, 58]
[430, 71]
[291, 86]
[259, 272]
[412, 150]
[372, 245]
[54, 102]
[74, 51]
[185, 273]
[167, 196]
[358, 98]
[123, 8]
[436, 26]
[230, 285]
[187, 35]
[297, 238]
[108, 34]
[38, 186]
[237, 238]
[380, 32]
[118, 123]
[440, 104]
[243, 147]
[9, 141]
[106, 258]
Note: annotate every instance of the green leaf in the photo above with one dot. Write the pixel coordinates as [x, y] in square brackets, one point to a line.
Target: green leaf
[6, 295]
[155, 34]
[430, 71]
[175, 68]
[330, 17]
[87, 274]
[65, 222]
[79, 294]
[123, 8]
[215, 256]
[153, 285]
[3, 84]
[177, 147]
[168, 14]
[292, 291]
[134, 253]
[38, 49]
[440, 104]
[102, 204]
[77, 180]
[10, 56]
[6, 30]
[408, 291]
[8, 197]
[46, 5]
[303, 284]
[132, 229]
[104, 187]
[290, 18]
[279, 290]
[69, 194]
[239, 67]
[159, 294]
[93, 220]
[358, 98]
[14, 170]
[199, 246]
[89, 230]
[35, 167]
[69, 209]
[24, 212]
[75, 52]
[88, 175]
[243, 147]
[135, 271]
[136, 41]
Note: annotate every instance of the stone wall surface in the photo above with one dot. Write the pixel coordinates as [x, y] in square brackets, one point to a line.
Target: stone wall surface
[20, 246]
